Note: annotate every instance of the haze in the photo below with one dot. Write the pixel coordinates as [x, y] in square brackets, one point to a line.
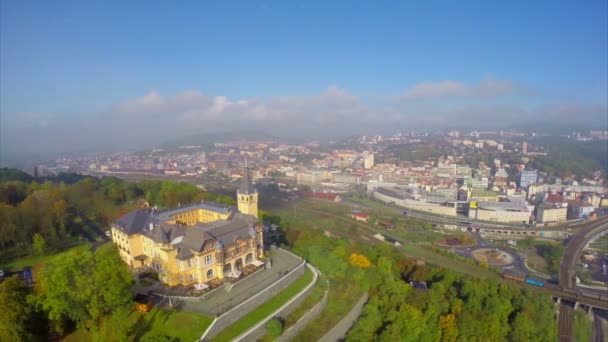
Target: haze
[79, 76]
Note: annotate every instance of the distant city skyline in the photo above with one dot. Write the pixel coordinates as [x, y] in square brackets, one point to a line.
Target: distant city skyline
[108, 75]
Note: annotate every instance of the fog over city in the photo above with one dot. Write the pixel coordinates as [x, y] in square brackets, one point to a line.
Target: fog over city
[154, 118]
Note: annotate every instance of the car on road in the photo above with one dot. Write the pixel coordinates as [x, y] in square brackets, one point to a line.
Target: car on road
[27, 274]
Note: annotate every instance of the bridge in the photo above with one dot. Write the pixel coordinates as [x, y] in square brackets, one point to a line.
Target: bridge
[567, 277]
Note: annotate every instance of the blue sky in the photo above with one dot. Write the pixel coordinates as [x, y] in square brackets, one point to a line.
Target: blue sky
[84, 59]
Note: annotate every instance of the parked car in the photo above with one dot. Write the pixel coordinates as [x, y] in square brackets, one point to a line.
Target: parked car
[28, 274]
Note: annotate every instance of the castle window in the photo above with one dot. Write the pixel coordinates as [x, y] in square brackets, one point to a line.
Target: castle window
[191, 277]
[181, 278]
[209, 274]
[189, 263]
[208, 259]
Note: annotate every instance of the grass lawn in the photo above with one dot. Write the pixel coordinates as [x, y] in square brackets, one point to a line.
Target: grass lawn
[31, 261]
[185, 326]
[265, 309]
[341, 299]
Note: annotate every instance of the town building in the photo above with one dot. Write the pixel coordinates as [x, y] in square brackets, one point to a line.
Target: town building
[527, 177]
[551, 213]
[579, 209]
[195, 243]
[508, 212]
[360, 217]
[368, 160]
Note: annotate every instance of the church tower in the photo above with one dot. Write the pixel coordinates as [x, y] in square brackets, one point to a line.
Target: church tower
[247, 196]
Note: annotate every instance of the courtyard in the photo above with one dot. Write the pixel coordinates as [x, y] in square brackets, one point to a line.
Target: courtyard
[224, 298]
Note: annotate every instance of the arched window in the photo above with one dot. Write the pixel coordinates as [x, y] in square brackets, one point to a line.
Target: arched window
[209, 274]
[248, 258]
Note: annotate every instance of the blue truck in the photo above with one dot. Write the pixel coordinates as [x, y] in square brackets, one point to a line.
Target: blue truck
[534, 282]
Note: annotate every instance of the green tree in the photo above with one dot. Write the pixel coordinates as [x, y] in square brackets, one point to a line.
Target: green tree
[274, 327]
[38, 244]
[16, 311]
[85, 288]
[583, 326]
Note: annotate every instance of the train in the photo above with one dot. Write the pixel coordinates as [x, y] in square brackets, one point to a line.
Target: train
[534, 282]
[523, 279]
[572, 292]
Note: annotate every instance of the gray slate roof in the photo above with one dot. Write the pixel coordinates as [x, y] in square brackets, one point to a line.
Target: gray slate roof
[198, 238]
[134, 222]
[246, 185]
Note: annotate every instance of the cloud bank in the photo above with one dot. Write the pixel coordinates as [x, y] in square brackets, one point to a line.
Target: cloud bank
[154, 118]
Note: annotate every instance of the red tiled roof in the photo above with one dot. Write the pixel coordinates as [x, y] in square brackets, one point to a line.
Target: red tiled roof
[555, 198]
[361, 215]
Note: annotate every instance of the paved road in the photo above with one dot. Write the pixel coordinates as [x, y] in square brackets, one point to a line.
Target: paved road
[221, 300]
[567, 271]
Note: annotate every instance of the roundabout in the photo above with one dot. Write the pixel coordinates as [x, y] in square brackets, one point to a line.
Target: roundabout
[493, 256]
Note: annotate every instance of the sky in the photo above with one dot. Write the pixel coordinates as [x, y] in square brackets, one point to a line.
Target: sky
[97, 75]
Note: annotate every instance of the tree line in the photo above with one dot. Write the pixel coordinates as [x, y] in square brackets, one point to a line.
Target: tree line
[69, 205]
[76, 290]
[81, 288]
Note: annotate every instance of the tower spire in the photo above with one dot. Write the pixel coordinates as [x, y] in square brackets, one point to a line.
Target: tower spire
[246, 187]
[247, 197]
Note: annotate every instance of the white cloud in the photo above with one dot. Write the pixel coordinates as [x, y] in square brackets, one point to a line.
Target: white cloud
[486, 88]
[154, 118]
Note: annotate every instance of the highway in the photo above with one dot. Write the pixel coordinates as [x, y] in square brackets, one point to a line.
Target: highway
[572, 254]
[567, 277]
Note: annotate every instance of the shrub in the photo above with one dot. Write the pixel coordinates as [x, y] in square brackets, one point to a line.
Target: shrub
[274, 327]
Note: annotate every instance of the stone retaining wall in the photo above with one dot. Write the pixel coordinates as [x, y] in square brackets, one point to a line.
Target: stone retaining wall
[303, 322]
[259, 330]
[236, 313]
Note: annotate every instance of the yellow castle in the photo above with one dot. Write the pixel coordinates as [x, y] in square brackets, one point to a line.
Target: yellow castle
[194, 243]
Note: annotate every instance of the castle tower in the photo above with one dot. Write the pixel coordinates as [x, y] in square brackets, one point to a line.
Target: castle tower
[247, 196]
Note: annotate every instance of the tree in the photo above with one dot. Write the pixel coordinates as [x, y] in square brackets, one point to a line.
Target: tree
[38, 244]
[16, 311]
[85, 287]
[60, 215]
[359, 260]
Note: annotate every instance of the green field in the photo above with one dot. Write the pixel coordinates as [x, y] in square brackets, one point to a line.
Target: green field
[33, 260]
[265, 309]
[185, 326]
[335, 218]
